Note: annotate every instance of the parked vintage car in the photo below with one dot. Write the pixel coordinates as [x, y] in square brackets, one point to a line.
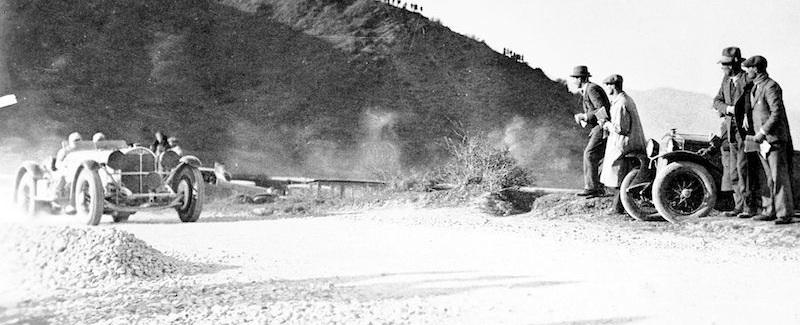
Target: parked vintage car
[675, 182]
[111, 177]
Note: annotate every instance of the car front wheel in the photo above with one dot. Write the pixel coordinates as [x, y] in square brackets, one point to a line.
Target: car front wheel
[190, 190]
[89, 196]
[684, 190]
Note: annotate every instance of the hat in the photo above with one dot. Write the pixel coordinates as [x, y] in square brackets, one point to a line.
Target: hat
[580, 71]
[99, 136]
[755, 61]
[731, 55]
[74, 136]
[613, 79]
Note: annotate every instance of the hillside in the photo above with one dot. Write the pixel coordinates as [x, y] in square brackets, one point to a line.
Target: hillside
[664, 108]
[312, 87]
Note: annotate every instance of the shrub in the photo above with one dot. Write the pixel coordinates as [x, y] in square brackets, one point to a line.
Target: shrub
[475, 160]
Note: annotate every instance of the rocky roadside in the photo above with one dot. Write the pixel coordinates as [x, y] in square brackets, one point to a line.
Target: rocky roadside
[103, 275]
[93, 275]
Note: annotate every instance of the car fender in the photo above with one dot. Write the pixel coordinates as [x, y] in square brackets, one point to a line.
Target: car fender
[28, 167]
[683, 155]
[646, 171]
[191, 160]
[171, 180]
[88, 164]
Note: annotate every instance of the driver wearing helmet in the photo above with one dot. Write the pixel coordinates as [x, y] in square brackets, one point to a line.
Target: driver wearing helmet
[72, 143]
[97, 137]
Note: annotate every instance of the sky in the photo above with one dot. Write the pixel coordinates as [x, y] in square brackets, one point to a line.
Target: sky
[651, 43]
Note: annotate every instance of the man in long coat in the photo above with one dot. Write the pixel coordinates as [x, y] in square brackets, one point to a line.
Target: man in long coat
[625, 135]
[733, 103]
[772, 127]
[595, 110]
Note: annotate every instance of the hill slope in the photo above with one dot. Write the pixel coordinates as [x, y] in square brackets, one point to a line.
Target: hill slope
[664, 108]
[322, 88]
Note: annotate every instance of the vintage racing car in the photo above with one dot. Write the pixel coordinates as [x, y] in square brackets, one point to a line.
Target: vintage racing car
[674, 181]
[111, 177]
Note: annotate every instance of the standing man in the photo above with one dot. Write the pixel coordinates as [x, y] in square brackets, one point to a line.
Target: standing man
[625, 135]
[732, 102]
[595, 111]
[772, 127]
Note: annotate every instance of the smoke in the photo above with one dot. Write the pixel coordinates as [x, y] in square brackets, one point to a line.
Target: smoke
[300, 152]
[541, 149]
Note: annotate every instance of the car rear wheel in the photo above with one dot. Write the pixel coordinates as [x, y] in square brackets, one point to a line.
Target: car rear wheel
[684, 190]
[637, 205]
[24, 195]
[191, 191]
[89, 196]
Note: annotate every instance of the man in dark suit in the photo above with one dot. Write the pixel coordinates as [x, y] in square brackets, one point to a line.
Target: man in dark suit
[772, 126]
[595, 110]
[733, 103]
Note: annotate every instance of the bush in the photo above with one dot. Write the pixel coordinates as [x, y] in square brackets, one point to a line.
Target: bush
[476, 161]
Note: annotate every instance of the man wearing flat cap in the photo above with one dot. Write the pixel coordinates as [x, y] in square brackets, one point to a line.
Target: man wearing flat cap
[595, 110]
[772, 132]
[733, 104]
[625, 135]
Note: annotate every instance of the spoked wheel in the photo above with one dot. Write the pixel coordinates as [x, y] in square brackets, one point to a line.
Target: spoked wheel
[638, 205]
[89, 196]
[684, 190]
[24, 195]
[191, 192]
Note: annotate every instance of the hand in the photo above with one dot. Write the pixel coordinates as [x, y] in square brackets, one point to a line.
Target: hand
[704, 151]
[607, 126]
[731, 110]
[580, 117]
[760, 137]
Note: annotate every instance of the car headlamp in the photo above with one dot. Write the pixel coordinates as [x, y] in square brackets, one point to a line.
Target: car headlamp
[652, 148]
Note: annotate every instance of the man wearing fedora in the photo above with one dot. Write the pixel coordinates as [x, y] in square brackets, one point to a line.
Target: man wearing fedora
[733, 103]
[595, 110]
[772, 126]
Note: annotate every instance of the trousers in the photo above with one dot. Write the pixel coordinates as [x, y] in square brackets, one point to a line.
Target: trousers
[777, 200]
[742, 166]
[592, 156]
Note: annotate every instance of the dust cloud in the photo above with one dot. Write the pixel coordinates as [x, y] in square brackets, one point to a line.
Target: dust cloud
[260, 150]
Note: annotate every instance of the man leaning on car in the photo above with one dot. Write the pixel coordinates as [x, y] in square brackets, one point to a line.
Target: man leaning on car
[772, 132]
[732, 102]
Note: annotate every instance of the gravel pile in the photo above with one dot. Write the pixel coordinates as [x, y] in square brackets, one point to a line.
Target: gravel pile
[82, 257]
[219, 299]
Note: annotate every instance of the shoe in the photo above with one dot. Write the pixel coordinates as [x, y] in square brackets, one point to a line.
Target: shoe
[744, 215]
[731, 214]
[762, 217]
[597, 193]
[70, 210]
[587, 192]
[783, 221]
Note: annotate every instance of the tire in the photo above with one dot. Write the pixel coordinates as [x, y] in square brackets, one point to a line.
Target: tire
[89, 196]
[121, 216]
[191, 189]
[24, 194]
[684, 190]
[635, 205]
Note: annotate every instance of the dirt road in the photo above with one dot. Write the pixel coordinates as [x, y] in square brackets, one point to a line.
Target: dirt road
[454, 266]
